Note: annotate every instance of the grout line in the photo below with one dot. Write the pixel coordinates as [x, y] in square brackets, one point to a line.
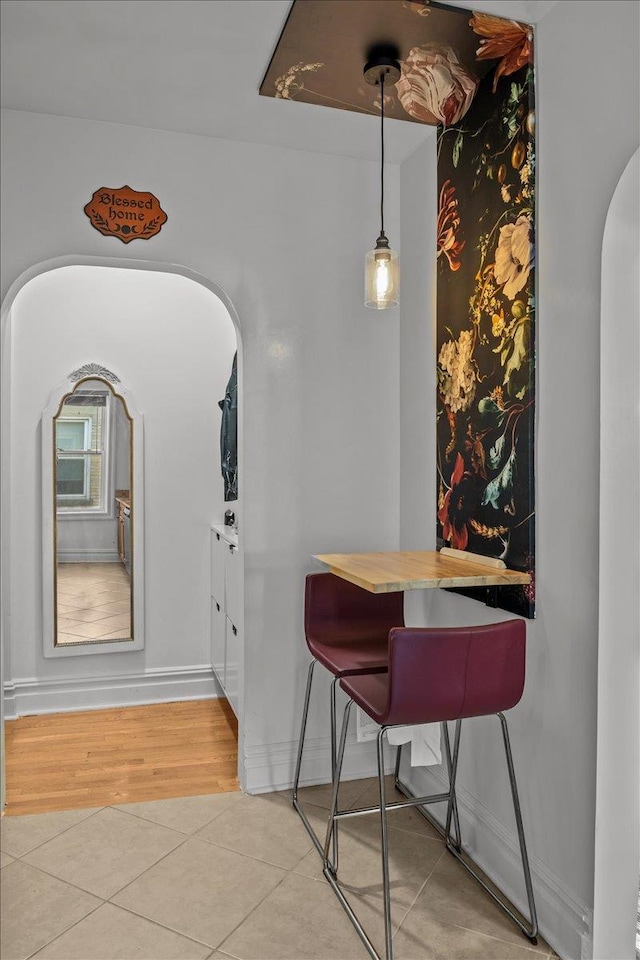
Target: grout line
[163, 926]
[54, 837]
[72, 925]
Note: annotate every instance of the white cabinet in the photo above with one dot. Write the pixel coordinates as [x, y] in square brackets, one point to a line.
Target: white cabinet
[226, 612]
[218, 640]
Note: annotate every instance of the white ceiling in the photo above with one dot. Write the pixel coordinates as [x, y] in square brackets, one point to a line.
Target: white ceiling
[191, 66]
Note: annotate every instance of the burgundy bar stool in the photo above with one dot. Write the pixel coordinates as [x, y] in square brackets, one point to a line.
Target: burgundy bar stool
[347, 631]
[434, 675]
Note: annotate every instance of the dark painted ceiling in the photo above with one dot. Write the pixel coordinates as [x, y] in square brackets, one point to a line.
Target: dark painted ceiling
[325, 44]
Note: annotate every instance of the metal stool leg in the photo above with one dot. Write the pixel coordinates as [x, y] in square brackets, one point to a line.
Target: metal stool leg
[333, 765]
[453, 803]
[328, 868]
[296, 776]
[385, 848]
[532, 934]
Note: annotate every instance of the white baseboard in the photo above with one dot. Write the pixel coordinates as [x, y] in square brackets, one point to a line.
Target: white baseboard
[89, 556]
[564, 922]
[272, 766]
[30, 695]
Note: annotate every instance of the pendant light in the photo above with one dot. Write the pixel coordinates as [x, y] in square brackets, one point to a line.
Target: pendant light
[382, 269]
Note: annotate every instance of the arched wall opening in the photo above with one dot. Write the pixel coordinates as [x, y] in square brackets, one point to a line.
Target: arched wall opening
[172, 334]
[617, 827]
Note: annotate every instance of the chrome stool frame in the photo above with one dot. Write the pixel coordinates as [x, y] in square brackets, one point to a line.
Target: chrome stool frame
[455, 848]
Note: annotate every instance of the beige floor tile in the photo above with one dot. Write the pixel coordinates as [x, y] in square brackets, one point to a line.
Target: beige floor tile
[111, 933]
[452, 896]
[5, 859]
[36, 908]
[300, 920]
[201, 890]
[320, 794]
[86, 615]
[266, 827]
[405, 819]
[423, 937]
[89, 631]
[412, 858]
[186, 814]
[105, 852]
[20, 835]
[114, 606]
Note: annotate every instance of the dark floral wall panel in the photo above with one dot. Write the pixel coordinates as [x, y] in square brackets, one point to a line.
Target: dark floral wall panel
[486, 313]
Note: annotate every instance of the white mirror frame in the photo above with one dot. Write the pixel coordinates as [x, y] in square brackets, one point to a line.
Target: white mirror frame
[91, 371]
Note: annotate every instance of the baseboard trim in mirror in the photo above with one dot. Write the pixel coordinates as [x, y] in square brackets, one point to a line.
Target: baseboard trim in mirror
[93, 475]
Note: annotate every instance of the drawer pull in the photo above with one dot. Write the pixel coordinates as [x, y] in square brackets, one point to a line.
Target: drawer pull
[235, 631]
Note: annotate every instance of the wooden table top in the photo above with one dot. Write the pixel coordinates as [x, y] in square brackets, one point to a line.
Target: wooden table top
[390, 572]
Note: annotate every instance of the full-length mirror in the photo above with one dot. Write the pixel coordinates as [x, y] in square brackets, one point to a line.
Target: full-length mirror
[91, 499]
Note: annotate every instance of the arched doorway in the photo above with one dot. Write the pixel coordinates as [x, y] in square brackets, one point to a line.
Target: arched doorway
[182, 365]
[617, 832]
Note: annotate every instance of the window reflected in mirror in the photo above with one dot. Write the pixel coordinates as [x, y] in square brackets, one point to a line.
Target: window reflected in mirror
[93, 517]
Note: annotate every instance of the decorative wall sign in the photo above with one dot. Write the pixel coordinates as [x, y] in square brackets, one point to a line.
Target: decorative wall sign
[125, 213]
[486, 313]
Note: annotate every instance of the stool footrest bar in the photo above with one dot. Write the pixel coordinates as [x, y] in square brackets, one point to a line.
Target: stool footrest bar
[396, 805]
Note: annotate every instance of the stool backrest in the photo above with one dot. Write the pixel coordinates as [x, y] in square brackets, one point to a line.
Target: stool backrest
[454, 672]
[331, 602]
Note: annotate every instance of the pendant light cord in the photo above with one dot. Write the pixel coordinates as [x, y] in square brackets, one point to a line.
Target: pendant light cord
[382, 154]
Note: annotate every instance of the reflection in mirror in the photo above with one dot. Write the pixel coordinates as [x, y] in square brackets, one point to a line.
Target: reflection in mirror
[93, 511]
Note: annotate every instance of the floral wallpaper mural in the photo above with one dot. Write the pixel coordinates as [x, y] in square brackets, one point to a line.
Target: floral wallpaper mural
[471, 75]
[486, 312]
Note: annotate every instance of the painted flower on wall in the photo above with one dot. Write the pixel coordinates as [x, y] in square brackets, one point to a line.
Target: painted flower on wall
[289, 84]
[514, 256]
[458, 507]
[448, 223]
[434, 87]
[456, 372]
[507, 40]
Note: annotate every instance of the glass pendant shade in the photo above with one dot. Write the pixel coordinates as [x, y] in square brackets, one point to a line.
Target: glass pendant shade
[381, 276]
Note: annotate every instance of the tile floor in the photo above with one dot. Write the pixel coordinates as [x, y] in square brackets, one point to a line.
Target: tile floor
[94, 602]
[232, 876]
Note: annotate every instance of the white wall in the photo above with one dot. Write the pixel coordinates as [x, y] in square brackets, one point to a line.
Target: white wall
[284, 234]
[587, 130]
[171, 342]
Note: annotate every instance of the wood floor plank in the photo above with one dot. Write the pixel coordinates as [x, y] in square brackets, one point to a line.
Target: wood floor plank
[94, 758]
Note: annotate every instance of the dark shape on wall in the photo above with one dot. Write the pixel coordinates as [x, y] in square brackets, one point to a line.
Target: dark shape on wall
[125, 213]
[486, 315]
[229, 434]
[325, 44]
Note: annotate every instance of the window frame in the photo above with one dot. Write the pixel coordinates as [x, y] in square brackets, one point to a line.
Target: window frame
[106, 510]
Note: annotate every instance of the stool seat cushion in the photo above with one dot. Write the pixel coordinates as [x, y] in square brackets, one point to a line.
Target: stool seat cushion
[346, 627]
[446, 673]
[353, 654]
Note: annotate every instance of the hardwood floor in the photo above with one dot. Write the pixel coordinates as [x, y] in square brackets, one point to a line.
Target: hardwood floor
[66, 761]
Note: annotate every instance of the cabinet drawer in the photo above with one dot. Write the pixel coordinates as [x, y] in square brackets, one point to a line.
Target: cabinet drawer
[219, 548]
[232, 665]
[218, 642]
[232, 584]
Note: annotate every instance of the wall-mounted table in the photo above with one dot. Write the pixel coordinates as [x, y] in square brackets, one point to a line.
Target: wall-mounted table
[389, 571]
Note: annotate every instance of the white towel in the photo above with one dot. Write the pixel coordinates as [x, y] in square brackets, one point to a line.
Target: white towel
[425, 739]
[425, 743]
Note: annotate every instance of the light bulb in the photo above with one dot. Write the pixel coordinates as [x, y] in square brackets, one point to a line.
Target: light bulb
[382, 278]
